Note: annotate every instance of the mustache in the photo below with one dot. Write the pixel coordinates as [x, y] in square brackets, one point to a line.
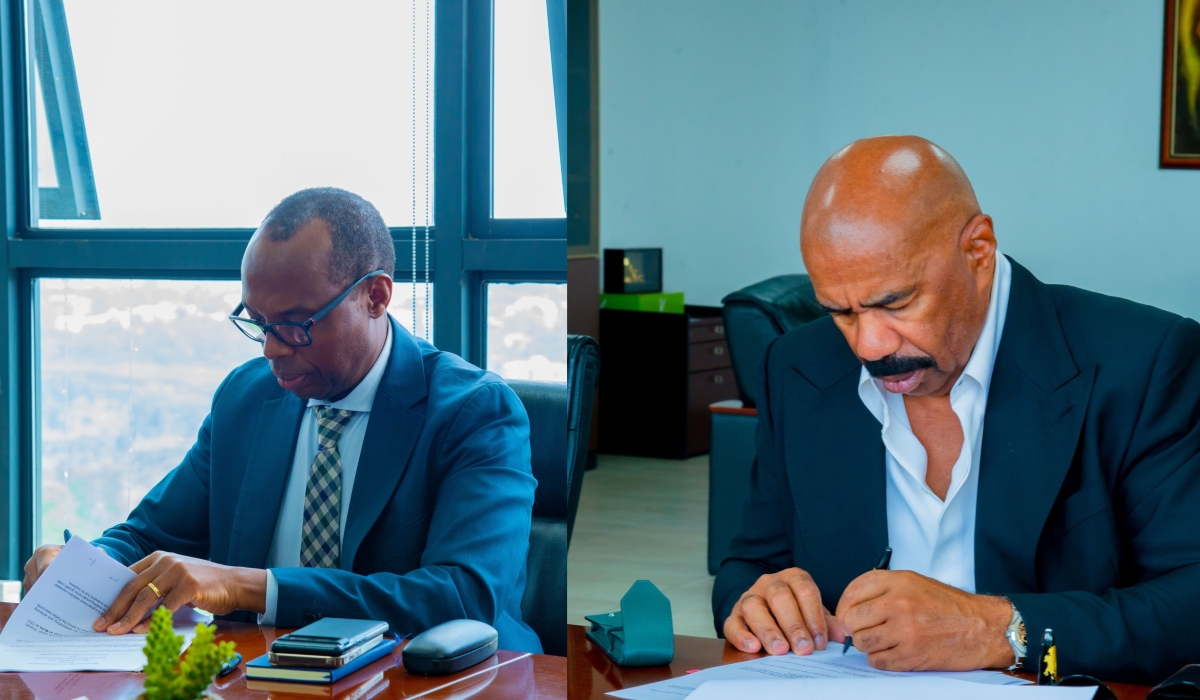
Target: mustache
[892, 365]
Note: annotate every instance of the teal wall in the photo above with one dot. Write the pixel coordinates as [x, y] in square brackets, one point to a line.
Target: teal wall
[715, 114]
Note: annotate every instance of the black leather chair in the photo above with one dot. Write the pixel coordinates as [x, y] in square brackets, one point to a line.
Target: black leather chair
[760, 313]
[554, 432]
[754, 316]
[583, 374]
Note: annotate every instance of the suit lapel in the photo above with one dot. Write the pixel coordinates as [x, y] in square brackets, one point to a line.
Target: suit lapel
[397, 418]
[1036, 405]
[268, 465]
[839, 483]
[842, 505]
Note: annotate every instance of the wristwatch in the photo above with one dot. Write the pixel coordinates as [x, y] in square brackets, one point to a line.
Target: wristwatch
[1016, 637]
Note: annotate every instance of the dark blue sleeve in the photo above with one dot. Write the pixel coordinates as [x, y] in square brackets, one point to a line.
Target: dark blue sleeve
[173, 517]
[1145, 631]
[763, 545]
[474, 555]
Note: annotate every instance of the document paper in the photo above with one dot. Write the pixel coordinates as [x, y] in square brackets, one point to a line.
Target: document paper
[827, 664]
[922, 688]
[51, 630]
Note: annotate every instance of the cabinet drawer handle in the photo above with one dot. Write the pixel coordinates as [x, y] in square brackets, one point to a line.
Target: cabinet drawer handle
[718, 379]
[719, 330]
[718, 350]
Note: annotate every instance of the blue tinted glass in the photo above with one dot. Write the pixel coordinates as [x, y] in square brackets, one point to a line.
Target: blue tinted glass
[527, 331]
[126, 375]
[206, 114]
[527, 173]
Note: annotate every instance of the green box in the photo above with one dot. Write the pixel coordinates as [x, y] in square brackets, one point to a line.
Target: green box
[660, 302]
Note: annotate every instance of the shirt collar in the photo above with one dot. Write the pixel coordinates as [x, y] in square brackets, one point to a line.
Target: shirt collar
[983, 357]
[362, 396]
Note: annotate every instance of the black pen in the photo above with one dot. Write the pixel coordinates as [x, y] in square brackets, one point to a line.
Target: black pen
[884, 562]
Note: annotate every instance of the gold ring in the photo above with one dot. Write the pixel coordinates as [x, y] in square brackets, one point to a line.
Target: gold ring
[154, 588]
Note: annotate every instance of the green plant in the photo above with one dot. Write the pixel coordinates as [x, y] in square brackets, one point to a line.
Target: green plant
[168, 678]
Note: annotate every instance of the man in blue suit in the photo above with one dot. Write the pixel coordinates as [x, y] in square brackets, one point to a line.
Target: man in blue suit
[353, 471]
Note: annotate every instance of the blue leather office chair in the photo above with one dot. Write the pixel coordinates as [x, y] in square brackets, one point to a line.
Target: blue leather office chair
[760, 313]
[754, 316]
[559, 421]
[583, 375]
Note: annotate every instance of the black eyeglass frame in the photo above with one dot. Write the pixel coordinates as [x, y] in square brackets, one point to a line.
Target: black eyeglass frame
[237, 319]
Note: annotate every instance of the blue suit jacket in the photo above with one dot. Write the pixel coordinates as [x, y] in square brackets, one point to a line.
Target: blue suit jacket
[439, 518]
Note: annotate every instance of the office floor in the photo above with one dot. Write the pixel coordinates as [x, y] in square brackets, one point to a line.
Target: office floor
[642, 518]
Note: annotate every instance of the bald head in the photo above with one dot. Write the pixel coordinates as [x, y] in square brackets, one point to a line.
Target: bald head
[900, 255]
[892, 189]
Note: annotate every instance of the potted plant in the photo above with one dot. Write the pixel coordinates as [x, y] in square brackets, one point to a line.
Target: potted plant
[169, 678]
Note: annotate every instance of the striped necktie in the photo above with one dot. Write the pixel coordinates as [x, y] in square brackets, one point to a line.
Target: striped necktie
[320, 538]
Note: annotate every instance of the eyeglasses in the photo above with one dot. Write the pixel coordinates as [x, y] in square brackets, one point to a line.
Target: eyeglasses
[291, 333]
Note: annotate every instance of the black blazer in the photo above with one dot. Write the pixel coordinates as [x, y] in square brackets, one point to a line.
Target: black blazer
[1088, 515]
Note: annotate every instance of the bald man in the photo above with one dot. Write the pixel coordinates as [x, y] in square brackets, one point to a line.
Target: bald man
[1030, 452]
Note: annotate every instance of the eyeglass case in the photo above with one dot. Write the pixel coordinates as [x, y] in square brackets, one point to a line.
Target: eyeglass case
[1184, 684]
[641, 634]
[450, 647]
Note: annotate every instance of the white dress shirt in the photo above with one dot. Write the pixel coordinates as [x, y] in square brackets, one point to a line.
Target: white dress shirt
[933, 537]
[285, 546]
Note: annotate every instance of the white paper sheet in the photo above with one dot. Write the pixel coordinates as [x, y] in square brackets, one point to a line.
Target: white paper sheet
[920, 687]
[51, 630]
[829, 664]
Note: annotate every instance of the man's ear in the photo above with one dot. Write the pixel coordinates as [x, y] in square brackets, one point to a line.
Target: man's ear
[979, 241]
[379, 294]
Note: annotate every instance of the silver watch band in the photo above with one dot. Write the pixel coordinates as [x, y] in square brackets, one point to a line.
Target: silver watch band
[1016, 637]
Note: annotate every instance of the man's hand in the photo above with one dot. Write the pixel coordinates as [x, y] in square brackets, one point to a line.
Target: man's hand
[183, 581]
[42, 556]
[907, 622]
[780, 612]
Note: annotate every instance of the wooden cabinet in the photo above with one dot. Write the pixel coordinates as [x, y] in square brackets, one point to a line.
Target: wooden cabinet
[658, 375]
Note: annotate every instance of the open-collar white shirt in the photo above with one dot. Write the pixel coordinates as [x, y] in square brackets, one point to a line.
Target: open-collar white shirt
[927, 535]
[285, 545]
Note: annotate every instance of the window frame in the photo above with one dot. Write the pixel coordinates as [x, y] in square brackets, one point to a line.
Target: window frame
[74, 196]
[468, 247]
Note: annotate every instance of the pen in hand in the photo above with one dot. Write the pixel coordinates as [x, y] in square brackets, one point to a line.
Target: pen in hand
[66, 536]
[884, 562]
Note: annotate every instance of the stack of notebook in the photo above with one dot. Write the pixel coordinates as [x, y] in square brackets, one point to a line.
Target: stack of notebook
[324, 652]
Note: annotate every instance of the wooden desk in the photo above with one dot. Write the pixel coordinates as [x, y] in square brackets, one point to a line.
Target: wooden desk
[508, 675]
[593, 674]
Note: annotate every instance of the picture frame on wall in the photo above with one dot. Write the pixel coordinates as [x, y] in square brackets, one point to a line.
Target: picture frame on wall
[1180, 135]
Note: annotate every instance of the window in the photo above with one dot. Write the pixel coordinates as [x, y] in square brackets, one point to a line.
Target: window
[416, 317]
[527, 330]
[527, 172]
[206, 114]
[144, 124]
[127, 371]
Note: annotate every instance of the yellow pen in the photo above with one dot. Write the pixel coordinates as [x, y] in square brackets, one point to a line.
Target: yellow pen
[1048, 661]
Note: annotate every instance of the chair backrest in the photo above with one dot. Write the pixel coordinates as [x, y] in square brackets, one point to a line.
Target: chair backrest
[547, 404]
[583, 373]
[544, 605]
[756, 315]
[560, 418]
